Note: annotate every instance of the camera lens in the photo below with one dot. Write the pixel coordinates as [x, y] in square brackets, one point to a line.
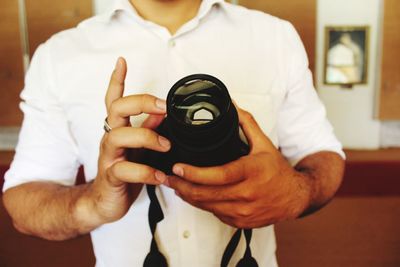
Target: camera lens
[198, 102]
[200, 113]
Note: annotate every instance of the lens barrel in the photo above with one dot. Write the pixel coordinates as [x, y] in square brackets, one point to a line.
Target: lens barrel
[200, 93]
[202, 125]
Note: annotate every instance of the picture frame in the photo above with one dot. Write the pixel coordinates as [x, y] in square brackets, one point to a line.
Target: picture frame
[346, 55]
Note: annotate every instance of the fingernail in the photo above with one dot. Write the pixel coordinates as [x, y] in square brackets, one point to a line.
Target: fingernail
[160, 176]
[118, 63]
[164, 142]
[178, 170]
[161, 104]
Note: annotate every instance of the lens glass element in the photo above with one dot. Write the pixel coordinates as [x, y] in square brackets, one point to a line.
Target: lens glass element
[198, 102]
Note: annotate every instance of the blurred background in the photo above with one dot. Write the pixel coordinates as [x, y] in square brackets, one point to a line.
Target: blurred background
[359, 228]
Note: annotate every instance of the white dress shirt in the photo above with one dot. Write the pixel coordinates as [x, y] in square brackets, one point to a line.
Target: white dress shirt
[260, 59]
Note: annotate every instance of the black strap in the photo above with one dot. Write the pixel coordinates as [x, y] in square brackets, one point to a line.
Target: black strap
[155, 258]
[247, 260]
[231, 247]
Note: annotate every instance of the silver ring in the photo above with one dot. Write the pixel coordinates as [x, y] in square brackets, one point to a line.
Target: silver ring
[107, 128]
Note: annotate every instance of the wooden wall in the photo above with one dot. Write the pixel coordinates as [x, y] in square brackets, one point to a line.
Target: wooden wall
[389, 108]
[301, 13]
[11, 66]
[44, 17]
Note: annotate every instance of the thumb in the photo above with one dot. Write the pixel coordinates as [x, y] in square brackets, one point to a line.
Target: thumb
[258, 141]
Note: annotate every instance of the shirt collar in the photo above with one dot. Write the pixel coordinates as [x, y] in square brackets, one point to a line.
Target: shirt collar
[126, 6]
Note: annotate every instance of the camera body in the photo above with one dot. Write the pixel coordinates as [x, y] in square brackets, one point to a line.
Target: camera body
[233, 148]
[201, 123]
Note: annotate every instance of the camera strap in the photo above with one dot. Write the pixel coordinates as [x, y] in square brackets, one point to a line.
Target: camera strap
[247, 260]
[156, 259]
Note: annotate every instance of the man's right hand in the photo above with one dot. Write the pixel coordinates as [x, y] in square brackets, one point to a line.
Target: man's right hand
[63, 212]
[119, 181]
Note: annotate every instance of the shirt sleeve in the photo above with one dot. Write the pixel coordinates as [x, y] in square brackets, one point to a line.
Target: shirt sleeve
[46, 150]
[303, 127]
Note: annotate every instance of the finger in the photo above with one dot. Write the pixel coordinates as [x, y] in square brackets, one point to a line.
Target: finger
[118, 139]
[227, 220]
[218, 208]
[230, 173]
[241, 223]
[129, 172]
[153, 121]
[257, 139]
[231, 209]
[116, 86]
[194, 193]
[122, 108]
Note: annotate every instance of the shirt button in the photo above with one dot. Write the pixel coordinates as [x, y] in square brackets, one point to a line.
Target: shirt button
[171, 43]
[186, 234]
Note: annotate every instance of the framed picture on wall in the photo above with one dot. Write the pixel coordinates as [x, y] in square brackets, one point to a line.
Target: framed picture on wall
[346, 55]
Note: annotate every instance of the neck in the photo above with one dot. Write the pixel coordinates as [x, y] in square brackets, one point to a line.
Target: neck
[171, 14]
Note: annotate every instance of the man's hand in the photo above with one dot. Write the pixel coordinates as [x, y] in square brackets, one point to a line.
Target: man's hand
[62, 212]
[119, 181]
[259, 189]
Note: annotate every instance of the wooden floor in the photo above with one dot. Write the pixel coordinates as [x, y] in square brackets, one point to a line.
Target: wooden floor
[349, 232]
[19, 250]
[359, 228]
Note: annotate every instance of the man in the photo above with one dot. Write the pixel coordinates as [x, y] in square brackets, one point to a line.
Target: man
[263, 63]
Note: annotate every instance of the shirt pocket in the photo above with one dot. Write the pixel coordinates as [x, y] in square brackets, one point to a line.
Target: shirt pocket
[260, 105]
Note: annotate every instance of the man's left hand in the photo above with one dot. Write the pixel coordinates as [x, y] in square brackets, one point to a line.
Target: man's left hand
[253, 191]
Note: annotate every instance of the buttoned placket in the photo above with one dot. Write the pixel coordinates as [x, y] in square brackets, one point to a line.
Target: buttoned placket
[187, 238]
[186, 222]
[176, 68]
